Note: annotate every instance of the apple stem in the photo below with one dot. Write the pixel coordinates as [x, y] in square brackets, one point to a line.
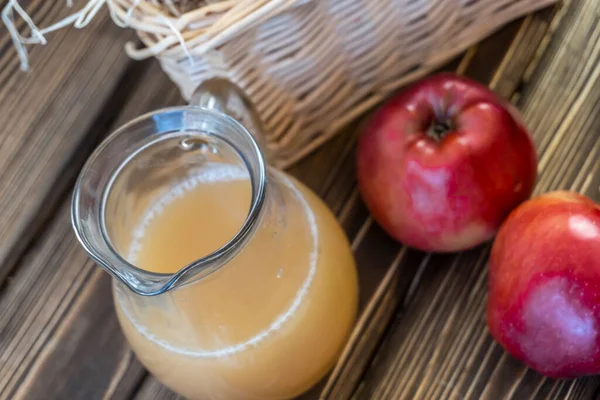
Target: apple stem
[439, 129]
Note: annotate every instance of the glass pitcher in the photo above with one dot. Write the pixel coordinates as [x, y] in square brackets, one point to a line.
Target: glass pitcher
[232, 280]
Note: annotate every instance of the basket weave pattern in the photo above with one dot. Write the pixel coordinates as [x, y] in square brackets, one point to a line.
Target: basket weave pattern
[308, 66]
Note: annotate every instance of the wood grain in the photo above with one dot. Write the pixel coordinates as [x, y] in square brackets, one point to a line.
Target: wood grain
[45, 115]
[438, 346]
[154, 390]
[59, 336]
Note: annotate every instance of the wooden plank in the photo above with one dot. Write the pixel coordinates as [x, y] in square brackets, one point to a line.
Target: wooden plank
[45, 115]
[154, 390]
[60, 336]
[439, 347]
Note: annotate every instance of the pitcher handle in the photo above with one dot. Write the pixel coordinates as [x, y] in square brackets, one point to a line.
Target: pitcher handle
[222, 95]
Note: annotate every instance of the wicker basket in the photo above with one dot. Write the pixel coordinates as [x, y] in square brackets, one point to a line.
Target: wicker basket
[309, 66]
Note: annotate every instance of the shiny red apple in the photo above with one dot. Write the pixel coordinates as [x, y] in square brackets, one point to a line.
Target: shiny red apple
[442, 163]
[544, 299]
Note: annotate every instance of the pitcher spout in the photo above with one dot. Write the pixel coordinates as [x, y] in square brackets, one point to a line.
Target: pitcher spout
[144, 160]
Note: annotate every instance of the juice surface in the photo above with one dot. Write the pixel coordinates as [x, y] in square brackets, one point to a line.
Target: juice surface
[267, 325]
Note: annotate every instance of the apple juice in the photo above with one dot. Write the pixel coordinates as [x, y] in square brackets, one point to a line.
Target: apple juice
[267, 325]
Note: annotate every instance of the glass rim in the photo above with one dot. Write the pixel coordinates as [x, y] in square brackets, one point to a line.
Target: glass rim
[201, 266]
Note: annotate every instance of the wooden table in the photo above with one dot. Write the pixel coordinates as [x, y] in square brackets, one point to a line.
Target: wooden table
[422, 333]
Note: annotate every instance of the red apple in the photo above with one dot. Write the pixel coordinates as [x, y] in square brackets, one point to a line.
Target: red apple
[544, 300]
[441, 164]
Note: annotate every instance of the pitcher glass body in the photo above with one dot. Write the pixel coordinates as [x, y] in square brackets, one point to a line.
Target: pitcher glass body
[232, 280]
